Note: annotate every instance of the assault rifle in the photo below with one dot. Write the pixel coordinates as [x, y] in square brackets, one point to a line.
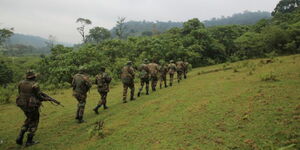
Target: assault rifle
[52, 100]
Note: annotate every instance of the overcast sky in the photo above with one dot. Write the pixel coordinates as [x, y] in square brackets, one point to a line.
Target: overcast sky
[57, 17]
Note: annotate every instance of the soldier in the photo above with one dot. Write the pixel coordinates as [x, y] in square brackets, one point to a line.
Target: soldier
[185, 69]
[172, 69]
[163, 70]
[127, 77]
[29, 100]
[102, 81]
[180, 69]
[81, 85]
[154, 70]
[144, 76]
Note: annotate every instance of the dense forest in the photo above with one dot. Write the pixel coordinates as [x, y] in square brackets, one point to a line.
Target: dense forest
[194, 42]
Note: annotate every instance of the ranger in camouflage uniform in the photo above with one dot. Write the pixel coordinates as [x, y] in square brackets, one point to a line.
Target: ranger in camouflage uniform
[144, 76]
[154, 70]
[127, 77]
[29, 100]
[163, 71]
[180, 69]
[102, 81]
[81, 85]
[185, 69]
[171, 69]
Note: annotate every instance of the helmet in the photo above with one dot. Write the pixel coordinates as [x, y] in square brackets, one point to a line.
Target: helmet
[171, 61]
[30, 74]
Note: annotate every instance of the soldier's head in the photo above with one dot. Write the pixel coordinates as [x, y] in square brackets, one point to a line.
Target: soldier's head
[179, 59]
[129, 63]
[102, 69]
[30, 75]
[171, 61]
[146, 61]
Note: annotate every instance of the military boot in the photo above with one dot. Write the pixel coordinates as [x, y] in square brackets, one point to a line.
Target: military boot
[19, 140]
[96, 109]
[104, 106]
[30, 141]
[80, 120]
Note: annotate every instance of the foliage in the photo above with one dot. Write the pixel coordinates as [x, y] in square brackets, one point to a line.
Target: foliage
[286, 6]
[5, 34]
[98, 34]
[6, 94]
[6, 74]
[270, 76]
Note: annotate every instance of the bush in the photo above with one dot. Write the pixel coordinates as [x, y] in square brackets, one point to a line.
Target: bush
[271, 76]
[6, 94]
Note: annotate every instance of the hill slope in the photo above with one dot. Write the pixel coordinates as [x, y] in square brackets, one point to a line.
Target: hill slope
[217, 107]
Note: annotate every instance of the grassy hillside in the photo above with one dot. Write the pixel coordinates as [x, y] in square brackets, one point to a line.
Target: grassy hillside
[226, 106]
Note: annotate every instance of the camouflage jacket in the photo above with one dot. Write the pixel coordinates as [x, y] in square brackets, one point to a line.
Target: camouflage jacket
[81, 83]
[163, 70]
[180, 65]
[127, 75]
[154, 69]
[172, 68]
[102, 81]
[144, 71]
[29, 94]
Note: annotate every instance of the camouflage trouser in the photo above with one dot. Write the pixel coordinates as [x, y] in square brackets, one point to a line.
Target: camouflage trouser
[185, 73]
[171, 79]
[103, 98]
[163, 78]
[179, 75]
[143, 82]
[81, 98]
[32, 120]
[154, 81]
[125, 87]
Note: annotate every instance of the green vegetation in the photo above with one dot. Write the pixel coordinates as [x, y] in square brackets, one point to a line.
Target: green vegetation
[215, 110]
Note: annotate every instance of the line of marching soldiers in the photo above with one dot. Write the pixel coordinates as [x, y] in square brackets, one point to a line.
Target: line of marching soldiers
[31, 97]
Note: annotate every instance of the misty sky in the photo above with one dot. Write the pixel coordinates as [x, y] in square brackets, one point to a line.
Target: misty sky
[57, 17]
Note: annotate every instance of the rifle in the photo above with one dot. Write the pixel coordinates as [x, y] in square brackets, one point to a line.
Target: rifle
[52, 100]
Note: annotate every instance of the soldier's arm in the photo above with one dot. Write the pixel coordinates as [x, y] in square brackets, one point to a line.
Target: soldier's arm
[37, 92]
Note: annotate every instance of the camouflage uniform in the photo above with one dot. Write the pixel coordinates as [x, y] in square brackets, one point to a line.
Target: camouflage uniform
[163, 70]
[180, 69]
[127, 77]
[102, 81]
[154, 70]
[29, 100]
[81, 85]
[171, 69]
[144, 77]
[185, 69]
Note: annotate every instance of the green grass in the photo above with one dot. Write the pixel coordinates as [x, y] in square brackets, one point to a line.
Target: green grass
[214, 108]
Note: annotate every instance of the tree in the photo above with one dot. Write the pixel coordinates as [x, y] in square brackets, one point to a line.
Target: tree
[191, 25]
[98, 34]
[51, 41]
[286, 6]
[120, 27]
[5, 34]
[81, 29]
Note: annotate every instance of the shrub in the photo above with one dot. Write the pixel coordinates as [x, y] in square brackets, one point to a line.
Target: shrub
[271, 76]
[6, 94]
